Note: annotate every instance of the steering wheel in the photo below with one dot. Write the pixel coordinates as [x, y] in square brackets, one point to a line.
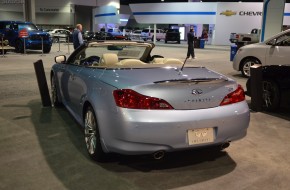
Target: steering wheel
[90, 60]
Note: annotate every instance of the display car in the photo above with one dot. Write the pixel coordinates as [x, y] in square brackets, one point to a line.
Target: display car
[172, 35]
[274, 51]
[275, 82]
[131, 102]
[60, 35]
[25, 35]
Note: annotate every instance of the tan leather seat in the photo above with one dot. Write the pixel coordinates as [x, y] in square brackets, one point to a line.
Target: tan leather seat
[131, 62]
[158, 60]
[109, 59]
[172, 61]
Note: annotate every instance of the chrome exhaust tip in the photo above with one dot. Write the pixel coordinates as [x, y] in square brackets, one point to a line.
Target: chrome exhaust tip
[158, 155]
[225, 145]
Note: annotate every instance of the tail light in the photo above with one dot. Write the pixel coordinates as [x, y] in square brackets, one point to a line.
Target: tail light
[237, 36]
[127, 98]
[237, 96]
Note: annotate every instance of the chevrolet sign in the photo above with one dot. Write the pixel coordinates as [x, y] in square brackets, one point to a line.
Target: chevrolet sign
[228, 13]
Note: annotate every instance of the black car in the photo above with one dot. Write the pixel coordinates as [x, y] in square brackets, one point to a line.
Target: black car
[275, 82]
[172, 35]
[89, 35]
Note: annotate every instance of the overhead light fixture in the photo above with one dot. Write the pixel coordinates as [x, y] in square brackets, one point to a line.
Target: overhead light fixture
[162, 0]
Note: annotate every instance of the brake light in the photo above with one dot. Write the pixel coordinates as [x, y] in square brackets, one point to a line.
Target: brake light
[237, 96]
[237, 36]
[127, 98]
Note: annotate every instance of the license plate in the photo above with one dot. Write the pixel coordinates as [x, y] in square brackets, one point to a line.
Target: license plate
[200, 136]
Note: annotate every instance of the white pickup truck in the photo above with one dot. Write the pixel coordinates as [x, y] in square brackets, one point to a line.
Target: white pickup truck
[149, 34]
[243, 39]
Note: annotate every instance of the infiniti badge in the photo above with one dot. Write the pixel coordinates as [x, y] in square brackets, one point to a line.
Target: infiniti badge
[196, 91]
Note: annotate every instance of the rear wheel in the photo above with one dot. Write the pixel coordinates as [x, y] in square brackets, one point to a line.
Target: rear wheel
[46, 49]
[271, 95]
[92, 136]
[246, 65]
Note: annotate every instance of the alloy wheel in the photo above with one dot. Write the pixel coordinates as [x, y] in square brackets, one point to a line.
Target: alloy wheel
[90, 132]
[246, 67]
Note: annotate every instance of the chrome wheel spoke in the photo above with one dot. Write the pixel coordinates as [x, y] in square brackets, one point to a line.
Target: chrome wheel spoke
[90, 132]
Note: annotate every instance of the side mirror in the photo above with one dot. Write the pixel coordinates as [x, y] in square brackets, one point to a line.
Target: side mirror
[60, 59]
[274, 42]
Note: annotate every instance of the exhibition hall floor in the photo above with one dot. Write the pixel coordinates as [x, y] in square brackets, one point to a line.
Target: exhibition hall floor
[43, 147]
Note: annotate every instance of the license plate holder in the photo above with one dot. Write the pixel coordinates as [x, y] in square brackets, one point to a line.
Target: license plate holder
[200, 136]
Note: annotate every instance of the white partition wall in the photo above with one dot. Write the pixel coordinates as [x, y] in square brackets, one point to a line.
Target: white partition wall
[177, 13]
[236, 17]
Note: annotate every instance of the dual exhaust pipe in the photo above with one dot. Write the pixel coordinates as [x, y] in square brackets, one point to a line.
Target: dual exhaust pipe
[158, 155]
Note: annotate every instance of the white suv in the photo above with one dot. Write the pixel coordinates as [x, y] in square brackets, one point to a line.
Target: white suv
[274, 51]
[149, 34]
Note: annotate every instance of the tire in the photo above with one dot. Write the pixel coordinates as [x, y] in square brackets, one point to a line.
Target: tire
[158, 40]
[55, 40]
[92, 136]
[178, 42]
[54, 93]
[166, 41]
[271, 95]
[246, 64]
[19, 47]
[46, 49]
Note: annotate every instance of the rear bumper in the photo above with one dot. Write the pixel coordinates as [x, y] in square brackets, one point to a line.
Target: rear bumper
[148, 131]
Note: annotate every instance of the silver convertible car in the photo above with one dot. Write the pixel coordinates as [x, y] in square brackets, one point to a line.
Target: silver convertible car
[131, 102]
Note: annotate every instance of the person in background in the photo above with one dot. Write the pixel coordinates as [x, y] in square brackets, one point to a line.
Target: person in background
[190, 41]
[77, 36]
[204, 35]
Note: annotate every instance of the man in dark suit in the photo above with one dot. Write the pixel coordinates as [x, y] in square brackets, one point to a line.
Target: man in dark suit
[77, 36]
[190, 41]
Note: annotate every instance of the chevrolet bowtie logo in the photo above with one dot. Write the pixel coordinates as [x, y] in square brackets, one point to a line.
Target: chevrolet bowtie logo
[228, 13]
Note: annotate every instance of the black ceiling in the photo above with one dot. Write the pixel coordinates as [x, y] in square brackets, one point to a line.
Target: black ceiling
[126, 2]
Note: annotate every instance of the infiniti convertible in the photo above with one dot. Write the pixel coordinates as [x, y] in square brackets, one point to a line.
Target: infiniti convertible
[131, 102]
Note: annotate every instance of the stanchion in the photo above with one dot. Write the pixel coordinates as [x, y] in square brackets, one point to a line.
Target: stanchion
[2, 46]
[41, 46]
[58, 46]
[24, 46]
[256, 87]
[42, 84]
[68, 46]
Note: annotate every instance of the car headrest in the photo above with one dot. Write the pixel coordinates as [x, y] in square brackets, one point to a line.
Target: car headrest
[109, 59]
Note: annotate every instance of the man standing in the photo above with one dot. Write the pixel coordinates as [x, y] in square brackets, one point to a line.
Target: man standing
[190, 39]
[77, 36]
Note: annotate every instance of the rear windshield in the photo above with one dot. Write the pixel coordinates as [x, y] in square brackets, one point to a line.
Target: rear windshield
[173, 30]
[27, 26]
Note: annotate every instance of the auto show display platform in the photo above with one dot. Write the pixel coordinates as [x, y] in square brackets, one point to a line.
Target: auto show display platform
[43, 147]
